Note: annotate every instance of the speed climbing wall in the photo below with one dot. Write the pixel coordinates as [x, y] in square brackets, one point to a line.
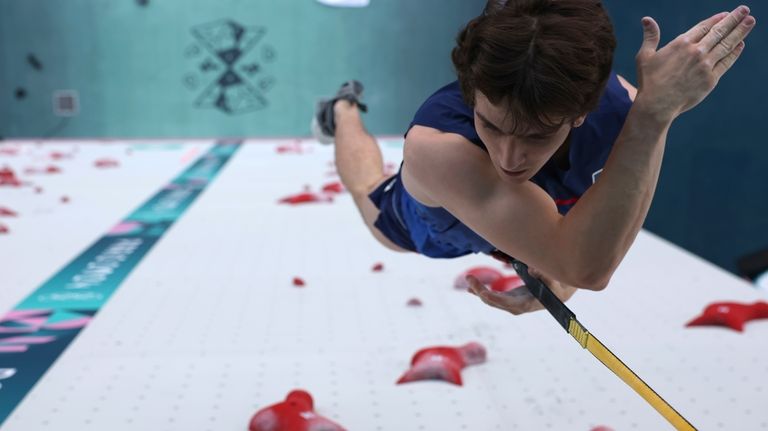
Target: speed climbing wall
[242, 298]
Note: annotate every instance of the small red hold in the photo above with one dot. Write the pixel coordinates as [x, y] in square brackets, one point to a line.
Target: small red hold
[415, 302]
[334, 188]
[443, 363]
[8, 151]
[294, 147]
[4, 229]
[299, 282]
[8, 178]
[304, 198]
[38, 189]
[731, 315]
[507, 283]
[602, 428]
[58, 155]
[65, 199]
[106, 163]
[296, 413]
[378, 267]
[484, 274]
[6, 212]
[50, 169]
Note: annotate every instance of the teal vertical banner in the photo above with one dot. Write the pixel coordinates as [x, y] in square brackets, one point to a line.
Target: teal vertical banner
[41, 327]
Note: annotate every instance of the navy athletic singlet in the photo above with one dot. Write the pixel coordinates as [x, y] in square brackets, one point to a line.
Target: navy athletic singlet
[435, 232]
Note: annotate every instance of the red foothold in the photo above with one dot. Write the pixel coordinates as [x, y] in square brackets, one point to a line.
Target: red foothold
[4, 229]
[6, 212]
[58, 155]
[296, 413]
[52, 169]
[731, 315]
[443, 363]
[378, 267]
[8, 178]
[65, 199]
[106, 163]
[335, 187]
[298, 282]
[304, 198]
[415, 302]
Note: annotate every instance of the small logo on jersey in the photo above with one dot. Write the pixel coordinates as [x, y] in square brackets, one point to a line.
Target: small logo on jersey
[596, 175]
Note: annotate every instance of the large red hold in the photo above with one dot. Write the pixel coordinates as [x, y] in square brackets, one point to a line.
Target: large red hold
[296, 413]
[8, 178]
[484, 274]
[731, 315]
[443, 363]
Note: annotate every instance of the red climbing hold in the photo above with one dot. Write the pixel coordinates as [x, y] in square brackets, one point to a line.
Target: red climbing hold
[58, 155]
[507, 283]
[8, 178]
[296, 413]
[335, 187]
[378, 267]
[415, 302]
[65, 199]
[8, 151]
[50, 169]
[484, 274]
[298, 282]
[443, 363]
[106, 163]
[304, 198]
[6, 212]
[294, 147]
[731, 315]
[4, 229]
[602, 428]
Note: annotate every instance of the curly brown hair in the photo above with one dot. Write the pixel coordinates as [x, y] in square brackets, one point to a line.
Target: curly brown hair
[546, 61]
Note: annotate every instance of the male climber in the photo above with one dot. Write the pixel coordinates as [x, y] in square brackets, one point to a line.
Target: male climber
[538, 150]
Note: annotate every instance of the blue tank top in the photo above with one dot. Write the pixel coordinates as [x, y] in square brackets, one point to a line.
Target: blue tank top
[437, 233]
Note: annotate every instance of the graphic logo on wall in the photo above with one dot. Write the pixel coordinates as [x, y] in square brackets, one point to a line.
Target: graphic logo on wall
[230, 63]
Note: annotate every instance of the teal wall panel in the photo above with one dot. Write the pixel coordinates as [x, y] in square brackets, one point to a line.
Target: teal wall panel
[129, 65]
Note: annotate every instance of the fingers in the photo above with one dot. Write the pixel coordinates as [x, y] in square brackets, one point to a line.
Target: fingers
[516, 305]
[727, 45]
[695, 34]
[651, 37]
[726, 63]
[724, 28]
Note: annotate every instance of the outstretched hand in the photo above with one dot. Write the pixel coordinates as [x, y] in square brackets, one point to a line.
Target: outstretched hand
[679, 76]
[520, 300]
